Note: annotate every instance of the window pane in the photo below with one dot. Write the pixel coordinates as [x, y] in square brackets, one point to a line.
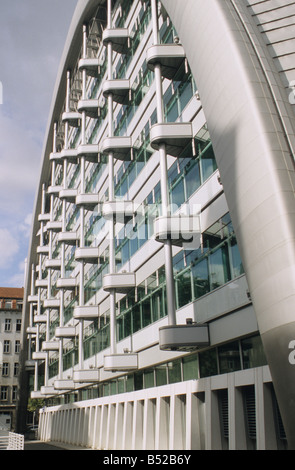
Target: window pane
[161, 376]
[184, 289]
[229, 358]
[253, 353]
[174, 371]
[201, 278]
[190, 367]
[219, 267]
[208, 363]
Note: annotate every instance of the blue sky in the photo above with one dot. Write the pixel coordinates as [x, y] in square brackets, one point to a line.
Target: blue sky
[32, 37]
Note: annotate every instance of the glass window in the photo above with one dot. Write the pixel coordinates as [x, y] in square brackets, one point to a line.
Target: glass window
[201, 278]
[219, 267]
[229, 358]
[174, 371]
[208, 363]
[253, 352]
[190, 367]
[236, 262]
[184, 288]
[149, 380]
[161, 375]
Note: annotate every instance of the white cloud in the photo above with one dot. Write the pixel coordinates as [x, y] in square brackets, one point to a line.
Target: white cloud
[8, 248]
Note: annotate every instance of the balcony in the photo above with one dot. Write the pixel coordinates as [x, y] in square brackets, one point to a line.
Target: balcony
[86, 312]
[174, 135]
[89, 201]
[44, 217]
[68, 283]
[33, 299]
[119, 37]
[47, 390]
[121, 282]
[180, 229]
[51, 303]
[71, 155]
[169, 56]
[72, 117]
[50, 346]
[43, 250]
[64, 385]
[54, 226]
[53, 264]
[69, 195]
[91, 65]
[55, 157]
[41, 283]
[86, 376]
[183, 337]
[31, 330]
[54, 189]
[39, 356]
[120, 362]
[29, 365]
[65, 332]
[89, 151]
[88, 255]
[69, 238]
[120, 211]
[40, 318]
[118, 88]
[120, 147]
[37, 395]
[89, 107]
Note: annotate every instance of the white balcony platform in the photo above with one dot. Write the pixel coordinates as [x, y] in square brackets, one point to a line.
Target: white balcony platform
[41, 283]
[120, 211]
[54, 225]
[120, 147]
[53, 263]
[88, 201]
[44, 217]
[67, 283]
[69, 238]
[180, 229]
[119, 37]
[86, 312]
[40, 318]
[89, 151]
[119, 88]
[183, 337]
[29, 365]
[169, 56]
[90, 107]
[43, 250]
[121, 362]
[37, 395]
[175, 136]
[48, 390]
[33, 299]
[66, 384]
[88, 255]
[31, 330]
[39, 356]
[72, 117]
[50, 346]
[69, 195]
[54, 189]
[90, 64]
[55, 157]
[51, 303]
[69, 154]
[86, 376]
[65, 332]
[121, 282]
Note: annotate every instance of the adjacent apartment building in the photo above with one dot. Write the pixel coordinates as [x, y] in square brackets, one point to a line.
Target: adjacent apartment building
[11, 302]
[159, 300]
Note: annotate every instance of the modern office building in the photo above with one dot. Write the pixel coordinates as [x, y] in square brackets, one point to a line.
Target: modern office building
[11, 302]
[159, 302]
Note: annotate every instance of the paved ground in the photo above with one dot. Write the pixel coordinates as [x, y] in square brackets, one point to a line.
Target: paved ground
[39, 445]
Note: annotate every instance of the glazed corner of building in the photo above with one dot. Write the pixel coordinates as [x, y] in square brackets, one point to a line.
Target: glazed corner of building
[201, 124]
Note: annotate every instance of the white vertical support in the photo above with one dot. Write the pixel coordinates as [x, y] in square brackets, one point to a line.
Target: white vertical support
[236, 418]
[137, 438]
[96, 427]
[127, 426]
[103, 426]
[259, 408]
[119, 423]
[162, 424]
[149, 419]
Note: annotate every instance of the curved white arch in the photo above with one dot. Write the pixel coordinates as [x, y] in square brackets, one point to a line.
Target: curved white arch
[256, 161]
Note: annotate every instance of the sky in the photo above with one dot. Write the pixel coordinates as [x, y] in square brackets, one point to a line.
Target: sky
[32, 38]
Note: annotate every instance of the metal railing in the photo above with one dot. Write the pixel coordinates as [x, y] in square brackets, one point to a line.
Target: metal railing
[12, 441]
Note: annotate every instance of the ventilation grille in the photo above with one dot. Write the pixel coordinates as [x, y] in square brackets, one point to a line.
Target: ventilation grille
[250, 411]
[223, 401]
